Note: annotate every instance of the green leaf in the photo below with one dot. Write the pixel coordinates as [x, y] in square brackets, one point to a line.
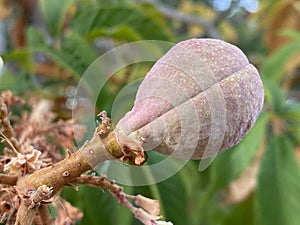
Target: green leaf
[292, 113]
[35, 37]
[54, 12]
[275, 97]
[273, 68]
[171, 193]
[17, 82]
[293, 34]
[115, 2]
[22, 57]
[98, 207]
[91, 20]
[278, 188]
[242, 213]
[230, 164]
[123, 32]
[75, 54]
[292, 120]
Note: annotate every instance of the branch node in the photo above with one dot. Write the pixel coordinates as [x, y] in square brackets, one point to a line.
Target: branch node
[33, 198]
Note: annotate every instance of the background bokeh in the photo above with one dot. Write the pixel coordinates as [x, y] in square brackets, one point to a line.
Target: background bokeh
[48, 45]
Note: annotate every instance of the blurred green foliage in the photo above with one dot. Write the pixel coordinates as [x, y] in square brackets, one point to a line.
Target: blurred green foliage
[256, 182]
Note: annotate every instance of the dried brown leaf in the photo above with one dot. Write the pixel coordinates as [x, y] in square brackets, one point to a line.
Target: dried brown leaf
[66, 213]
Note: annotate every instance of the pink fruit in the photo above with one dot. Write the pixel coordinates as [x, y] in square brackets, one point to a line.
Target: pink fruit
[200, 98]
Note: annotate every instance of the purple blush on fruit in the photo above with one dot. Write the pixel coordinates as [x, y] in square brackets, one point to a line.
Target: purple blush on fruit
[200, 98]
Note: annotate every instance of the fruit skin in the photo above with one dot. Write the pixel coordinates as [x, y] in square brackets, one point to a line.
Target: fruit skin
[200, 98]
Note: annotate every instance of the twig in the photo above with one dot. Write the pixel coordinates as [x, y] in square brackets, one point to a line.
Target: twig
[96, 181]
[148, 210]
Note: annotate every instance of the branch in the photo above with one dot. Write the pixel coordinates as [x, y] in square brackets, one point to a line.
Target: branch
[55, 176]
[96, 181]
[51, 180]
[37, 188]
[25, 215]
